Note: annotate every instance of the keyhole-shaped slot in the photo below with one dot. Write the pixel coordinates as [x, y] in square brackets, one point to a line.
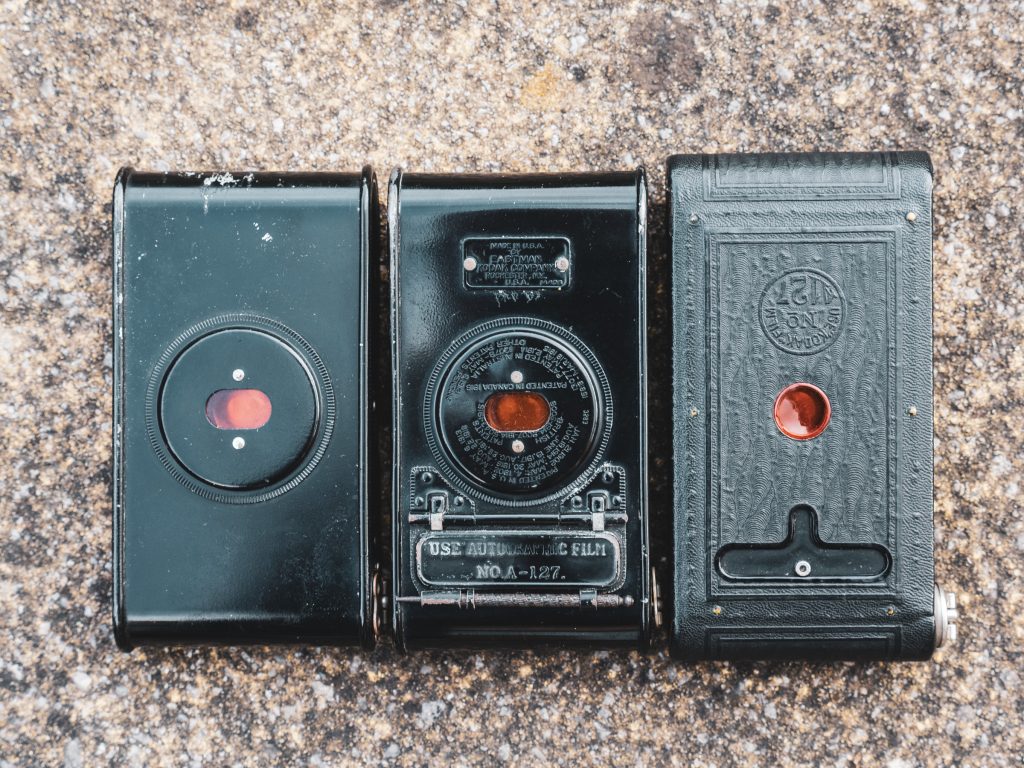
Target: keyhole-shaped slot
[803, 556]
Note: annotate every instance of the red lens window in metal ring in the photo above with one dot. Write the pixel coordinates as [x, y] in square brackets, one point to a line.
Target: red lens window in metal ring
[802, 411]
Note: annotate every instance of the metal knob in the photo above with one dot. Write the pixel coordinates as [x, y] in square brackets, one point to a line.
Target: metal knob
[946, 616]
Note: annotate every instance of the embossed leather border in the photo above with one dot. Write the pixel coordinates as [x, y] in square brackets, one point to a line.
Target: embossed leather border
[872, 175]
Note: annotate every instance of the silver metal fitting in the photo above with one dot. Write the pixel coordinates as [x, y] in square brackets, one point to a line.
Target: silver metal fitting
[377, 603]
[946, 616]
[655, 599]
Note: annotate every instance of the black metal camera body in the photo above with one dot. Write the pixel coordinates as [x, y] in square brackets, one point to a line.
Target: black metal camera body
[243, 432]
[518, 333]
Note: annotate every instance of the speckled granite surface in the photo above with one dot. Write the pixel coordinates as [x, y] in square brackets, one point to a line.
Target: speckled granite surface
[492, 86]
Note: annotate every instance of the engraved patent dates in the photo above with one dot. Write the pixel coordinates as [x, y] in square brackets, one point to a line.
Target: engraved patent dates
[518, 357]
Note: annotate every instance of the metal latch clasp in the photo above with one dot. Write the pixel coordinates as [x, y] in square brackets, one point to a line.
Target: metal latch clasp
[437, 508]
[598, 503]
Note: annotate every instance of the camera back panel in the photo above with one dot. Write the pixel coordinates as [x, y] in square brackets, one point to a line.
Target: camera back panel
[243, 434]
[518, 322]
[802, 406]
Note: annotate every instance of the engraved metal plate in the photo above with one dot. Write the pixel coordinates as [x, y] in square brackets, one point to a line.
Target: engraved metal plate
[517, 263]
[509, 559]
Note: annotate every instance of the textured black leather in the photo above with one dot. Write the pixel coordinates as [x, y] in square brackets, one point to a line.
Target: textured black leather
[802, 268]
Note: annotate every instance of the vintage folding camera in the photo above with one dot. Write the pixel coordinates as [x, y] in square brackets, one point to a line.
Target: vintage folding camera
[243, 430]
[802, 350]
[519, 507]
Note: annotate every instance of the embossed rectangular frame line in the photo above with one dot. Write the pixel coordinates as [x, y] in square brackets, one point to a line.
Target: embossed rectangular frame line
[739, 636]
[887, 188]
[719, 588]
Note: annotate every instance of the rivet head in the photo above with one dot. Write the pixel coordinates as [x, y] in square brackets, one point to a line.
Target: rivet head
[694, 218]
[912, 410]
[238, 443]
[693, 412]
[516, 377]
[518, 446]
[717, 610]
[469, 264]
[802, 568]
[562, 264]
[911, 217]
[238, 374]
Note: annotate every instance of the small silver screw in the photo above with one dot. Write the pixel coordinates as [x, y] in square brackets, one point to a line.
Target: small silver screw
[518, 446]
[911, 217]
[469, 264]
[238, 374]
[562, 264]
[238, 443]
[517, 377]
[803, 568]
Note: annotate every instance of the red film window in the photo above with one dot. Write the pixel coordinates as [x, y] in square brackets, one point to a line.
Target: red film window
[516, 411]
[802, 411]
[238, 409]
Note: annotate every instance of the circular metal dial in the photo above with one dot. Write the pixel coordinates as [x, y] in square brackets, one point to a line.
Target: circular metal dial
[514, 364]
[219, 454]
[233, 361]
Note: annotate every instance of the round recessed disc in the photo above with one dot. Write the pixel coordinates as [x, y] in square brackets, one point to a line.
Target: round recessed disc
[239, 432]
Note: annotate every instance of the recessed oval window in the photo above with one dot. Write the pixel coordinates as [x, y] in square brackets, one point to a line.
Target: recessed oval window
[238, 409]
[802, 411]
[516, 411]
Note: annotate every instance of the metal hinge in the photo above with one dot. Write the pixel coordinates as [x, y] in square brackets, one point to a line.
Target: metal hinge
[471, 599]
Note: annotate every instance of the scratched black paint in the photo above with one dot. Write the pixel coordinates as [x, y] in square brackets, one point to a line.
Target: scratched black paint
[262, 535]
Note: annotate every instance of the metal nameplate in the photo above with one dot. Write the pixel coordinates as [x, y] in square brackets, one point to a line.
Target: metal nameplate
[503, 559]
[516, 263]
